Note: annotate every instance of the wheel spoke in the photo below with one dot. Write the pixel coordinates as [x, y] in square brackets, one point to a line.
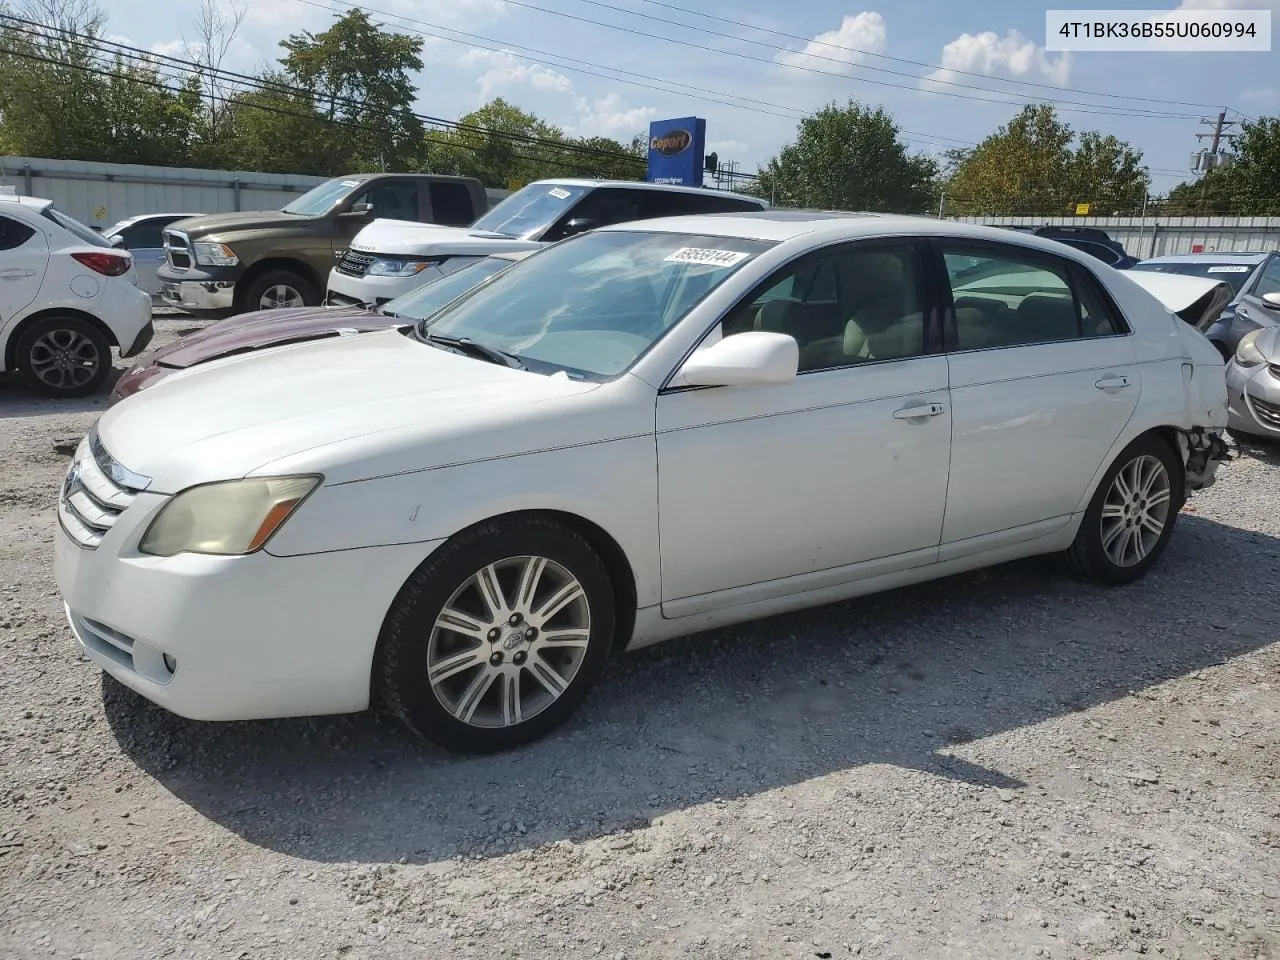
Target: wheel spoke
[1109, 535]
[1112, 511]
[455, 621]
[545, 675]
[1153, 472]
[456, 664]
[1152, 525]
[1122, 484]
[569, 637]
[530, 577]
[570, 592]
[511, 713]
[471, 697]
[491, 592]
[1157, 498]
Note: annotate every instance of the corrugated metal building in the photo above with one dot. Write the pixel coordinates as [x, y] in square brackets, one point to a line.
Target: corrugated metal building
[1157, 236]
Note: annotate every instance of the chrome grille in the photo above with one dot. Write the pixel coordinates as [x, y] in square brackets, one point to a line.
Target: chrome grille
[1267, 413]
[177, 249]
[355, 264]
[95, 491]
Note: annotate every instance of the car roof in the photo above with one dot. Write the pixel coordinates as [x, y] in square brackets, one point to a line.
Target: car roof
[783, 224]
[644, 185]
[37, 204]
[1233, 256]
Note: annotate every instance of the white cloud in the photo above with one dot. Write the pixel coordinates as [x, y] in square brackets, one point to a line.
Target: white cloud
[610, 117]
[1012, 56]
[847, 45]
[507, 69]
[1261, 95]
[727, 149]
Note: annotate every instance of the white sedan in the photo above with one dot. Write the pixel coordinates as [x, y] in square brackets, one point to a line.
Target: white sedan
[635, 434]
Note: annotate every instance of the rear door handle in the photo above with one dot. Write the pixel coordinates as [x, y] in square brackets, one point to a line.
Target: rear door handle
[15, 274]
[918, 411]
[1112, 383]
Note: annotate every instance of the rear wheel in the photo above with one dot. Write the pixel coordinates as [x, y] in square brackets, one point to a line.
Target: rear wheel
[63, 357]
[1131, 516]
[498, 637]
[278, 289]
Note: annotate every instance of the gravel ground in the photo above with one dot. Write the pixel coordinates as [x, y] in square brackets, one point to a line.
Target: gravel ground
[1005, 764]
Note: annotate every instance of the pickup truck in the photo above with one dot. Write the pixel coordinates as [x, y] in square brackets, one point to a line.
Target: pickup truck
[388, 258]
[233, 262]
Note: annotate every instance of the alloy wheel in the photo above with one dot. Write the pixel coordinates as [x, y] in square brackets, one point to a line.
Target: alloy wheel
[280, 295]
[1136, 510]
[64, 359]
[509, 641]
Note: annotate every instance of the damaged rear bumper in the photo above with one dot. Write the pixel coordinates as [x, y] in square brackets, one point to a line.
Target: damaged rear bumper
[1203, 451]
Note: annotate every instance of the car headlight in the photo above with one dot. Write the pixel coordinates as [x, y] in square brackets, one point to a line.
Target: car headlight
[397, 268]
[215, 255]
[230, 518]
[1247, 353]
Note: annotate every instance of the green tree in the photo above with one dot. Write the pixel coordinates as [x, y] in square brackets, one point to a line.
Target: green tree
[1253, 174]
[849, 158]
[277, 129]
[1030, 166]
[359, 77]
[494, 143]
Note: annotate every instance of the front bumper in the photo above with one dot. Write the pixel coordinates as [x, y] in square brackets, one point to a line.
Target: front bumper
[345, 290]
[1253, 399]
[199, 295]
[230, 638]
[140, 342]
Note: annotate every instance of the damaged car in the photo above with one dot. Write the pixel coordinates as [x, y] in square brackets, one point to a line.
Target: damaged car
[644, 431]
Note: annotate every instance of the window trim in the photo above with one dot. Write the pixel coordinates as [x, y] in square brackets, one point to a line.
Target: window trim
[1073, 271]
[926, 291]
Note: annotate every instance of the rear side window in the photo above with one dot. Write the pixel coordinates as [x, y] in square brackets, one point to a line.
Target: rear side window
[1003, 298]
[13, 233]
[1096, 250]
[451, 204]
[675, 203]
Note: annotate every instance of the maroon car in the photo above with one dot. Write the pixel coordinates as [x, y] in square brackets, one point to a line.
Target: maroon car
[273, 328]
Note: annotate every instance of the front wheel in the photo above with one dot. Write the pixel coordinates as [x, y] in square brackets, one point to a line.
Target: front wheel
[1131, 516]
[280, 289]
[496, 639]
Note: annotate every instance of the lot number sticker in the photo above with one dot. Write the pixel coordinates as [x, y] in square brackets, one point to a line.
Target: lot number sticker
[559, 193]
[709, 258]
[1230, 268]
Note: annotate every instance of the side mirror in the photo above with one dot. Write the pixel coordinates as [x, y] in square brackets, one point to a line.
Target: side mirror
[1271, 301]
[117, 241]
[579, 225]
[357, 210]
[754, 357]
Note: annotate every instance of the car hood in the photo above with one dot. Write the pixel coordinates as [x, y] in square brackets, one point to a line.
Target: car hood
[331, 406]
[1197, 300]
[406, 238]
[228, 224]
[267, 328]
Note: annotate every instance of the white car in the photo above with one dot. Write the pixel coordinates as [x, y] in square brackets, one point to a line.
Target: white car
[388, 258]
[637, 433]
[143, 236]
[66, 298]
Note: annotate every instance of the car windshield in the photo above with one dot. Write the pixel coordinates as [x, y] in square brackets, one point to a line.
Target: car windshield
[322, 198]
[590, 306]
[1233, 274]
[76, 227]
[529, 211]
[430, 297]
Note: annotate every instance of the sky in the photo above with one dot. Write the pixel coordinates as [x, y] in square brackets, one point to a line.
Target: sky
[950, 73]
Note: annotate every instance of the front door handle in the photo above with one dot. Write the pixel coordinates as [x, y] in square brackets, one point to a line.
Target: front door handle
[919, 411]
[1112, 383]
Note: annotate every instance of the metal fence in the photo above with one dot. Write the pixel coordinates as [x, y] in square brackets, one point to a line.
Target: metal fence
[100, 194]
[1157, 236]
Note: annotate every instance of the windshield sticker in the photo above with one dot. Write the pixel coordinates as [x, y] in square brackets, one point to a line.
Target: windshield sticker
[1229, 268]
[351, 183]
[710, 258]
[560, 193]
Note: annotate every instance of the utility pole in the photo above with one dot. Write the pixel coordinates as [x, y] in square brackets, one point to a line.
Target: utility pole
[1206, 161]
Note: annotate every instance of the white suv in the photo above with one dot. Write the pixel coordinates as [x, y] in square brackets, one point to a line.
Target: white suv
[67, 296]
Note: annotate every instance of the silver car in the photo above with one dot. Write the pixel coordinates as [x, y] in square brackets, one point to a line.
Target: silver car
[141, 236]
[1253, 379]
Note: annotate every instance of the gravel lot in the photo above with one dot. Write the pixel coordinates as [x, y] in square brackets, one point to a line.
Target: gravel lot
[1006, 764]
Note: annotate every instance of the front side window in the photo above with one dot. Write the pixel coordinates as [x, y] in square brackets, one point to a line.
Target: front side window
[392, 199]
[856, 305]
[145, 234]
[530, 210]
[594, 304]
[323, 197]
[1269, 281]
[601, 207]
[1007, 299]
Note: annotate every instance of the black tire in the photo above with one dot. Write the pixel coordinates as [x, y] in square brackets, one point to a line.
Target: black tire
[1087, 556]
[256, 290]
[78, 370]
[401, 681]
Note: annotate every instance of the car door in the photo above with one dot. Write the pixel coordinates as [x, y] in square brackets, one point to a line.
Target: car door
[24, 257]
[1251, 308]
[144, 240]
[1043, 380]
[836, 474]
[392, 199]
